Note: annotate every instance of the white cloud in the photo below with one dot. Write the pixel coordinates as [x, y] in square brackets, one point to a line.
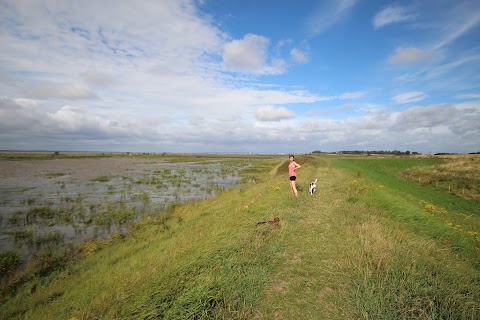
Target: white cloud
[468, 96]
[298, 55]
[58, 30]
[456, 125]
[343, 96]
[74, 91]
[99, 78]
[411, 55]
[18, 116]
[145, 59]
[271, 113]
[407, 97]
[31, 123]
[458, 26]
[278, 66]
[392, 14]
[451, 67]
[351, 95]
[327, 14]
[424, 117]
[72, 119]
[444, 76]
[27, 103]
[250, 55]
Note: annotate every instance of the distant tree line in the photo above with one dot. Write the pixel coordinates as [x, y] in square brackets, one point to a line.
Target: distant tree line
[394, 152]
[447, 153]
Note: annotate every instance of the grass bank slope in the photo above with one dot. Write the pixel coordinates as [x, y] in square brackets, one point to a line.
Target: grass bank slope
[334, 255]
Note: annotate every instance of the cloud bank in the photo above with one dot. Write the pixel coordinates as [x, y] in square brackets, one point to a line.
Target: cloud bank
[415, 128]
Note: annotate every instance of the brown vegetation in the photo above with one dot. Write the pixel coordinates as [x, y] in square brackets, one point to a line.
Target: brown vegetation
[459, 174]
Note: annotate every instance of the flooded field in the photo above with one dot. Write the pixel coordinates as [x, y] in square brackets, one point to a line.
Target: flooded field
[62, 201]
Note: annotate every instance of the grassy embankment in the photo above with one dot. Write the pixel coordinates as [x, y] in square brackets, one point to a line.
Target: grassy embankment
[359, 248]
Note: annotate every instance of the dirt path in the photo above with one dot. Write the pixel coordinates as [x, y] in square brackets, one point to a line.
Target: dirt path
[309, 279]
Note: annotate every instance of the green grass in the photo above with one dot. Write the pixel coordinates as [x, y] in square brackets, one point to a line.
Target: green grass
[385, 171]
[348, 252]
[359, 259]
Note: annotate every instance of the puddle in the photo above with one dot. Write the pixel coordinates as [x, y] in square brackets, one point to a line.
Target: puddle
[53, 202]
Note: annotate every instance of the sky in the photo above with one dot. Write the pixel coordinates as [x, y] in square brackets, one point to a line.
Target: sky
[240, 75]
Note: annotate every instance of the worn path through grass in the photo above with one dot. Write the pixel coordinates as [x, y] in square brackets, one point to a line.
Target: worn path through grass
[302, 287]
[345, 260]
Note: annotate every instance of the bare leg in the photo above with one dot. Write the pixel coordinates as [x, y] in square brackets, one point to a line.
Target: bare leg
[293, 188]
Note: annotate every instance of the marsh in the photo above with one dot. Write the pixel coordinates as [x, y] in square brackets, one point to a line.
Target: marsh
[68, 200]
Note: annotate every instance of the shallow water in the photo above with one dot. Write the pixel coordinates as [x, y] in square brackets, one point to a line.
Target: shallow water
[53, 202]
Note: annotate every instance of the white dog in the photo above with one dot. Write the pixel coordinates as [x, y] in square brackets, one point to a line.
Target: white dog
[313, 187]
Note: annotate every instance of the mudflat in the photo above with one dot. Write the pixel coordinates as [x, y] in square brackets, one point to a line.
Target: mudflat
[33, 173]
[77, 198]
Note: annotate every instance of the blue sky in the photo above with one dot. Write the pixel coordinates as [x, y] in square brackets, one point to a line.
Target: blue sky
[240, 76]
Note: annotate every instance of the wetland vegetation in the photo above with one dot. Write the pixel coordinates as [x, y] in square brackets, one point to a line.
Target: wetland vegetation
[43, 207]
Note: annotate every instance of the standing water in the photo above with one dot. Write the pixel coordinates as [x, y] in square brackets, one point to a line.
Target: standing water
[53, 202]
